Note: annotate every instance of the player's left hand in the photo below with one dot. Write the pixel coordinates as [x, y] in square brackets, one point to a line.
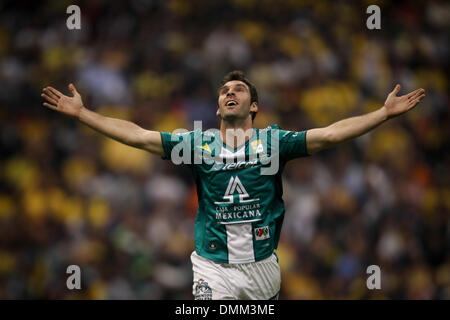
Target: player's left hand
[395, 105]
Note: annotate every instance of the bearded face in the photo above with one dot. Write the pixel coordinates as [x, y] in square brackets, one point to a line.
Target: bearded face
[234, 101]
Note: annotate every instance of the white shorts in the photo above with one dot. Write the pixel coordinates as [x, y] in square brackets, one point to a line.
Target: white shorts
[244, 281]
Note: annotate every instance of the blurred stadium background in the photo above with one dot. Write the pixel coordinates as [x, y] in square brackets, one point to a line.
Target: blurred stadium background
[71, 196]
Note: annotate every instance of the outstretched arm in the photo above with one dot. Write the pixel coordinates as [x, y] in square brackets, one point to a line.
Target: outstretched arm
[120, 130]
[320, 138]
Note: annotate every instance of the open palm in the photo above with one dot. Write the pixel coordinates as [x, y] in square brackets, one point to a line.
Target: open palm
[62, 103]
[396, 105]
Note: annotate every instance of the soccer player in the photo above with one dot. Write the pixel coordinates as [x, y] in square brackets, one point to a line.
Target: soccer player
[240, 209]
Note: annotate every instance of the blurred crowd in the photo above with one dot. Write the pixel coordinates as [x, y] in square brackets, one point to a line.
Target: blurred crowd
[69, 196]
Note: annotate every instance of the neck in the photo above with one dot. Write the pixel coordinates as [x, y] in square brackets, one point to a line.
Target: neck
[236, 132]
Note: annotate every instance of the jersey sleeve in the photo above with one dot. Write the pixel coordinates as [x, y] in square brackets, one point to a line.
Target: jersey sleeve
[292, 144]
[178, 147]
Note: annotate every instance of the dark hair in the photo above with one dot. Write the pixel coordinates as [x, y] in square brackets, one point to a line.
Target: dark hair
[240, 76]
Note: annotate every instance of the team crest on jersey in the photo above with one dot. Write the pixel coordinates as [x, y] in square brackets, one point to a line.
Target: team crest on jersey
[257, 146]
[262, 233]
[202, 290]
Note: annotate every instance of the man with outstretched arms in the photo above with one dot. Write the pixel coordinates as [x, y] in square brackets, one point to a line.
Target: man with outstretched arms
[237, 170]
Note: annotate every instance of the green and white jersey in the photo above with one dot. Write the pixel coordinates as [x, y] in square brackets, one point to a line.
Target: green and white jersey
[240, 206]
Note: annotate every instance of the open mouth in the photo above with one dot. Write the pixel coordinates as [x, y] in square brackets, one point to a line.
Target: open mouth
[231, 103]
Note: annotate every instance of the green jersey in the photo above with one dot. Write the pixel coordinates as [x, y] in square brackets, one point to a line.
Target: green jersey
[240, 205]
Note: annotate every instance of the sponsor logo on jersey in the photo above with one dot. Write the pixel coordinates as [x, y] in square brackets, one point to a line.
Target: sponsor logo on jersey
[235, 185]
[250, 213]
[240, 165]
[262, 233]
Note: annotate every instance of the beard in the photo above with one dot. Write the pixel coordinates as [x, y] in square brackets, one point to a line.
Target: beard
[233, 114]
[231, 117]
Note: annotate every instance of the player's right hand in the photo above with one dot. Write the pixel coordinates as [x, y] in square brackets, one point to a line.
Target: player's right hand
[62, 103]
